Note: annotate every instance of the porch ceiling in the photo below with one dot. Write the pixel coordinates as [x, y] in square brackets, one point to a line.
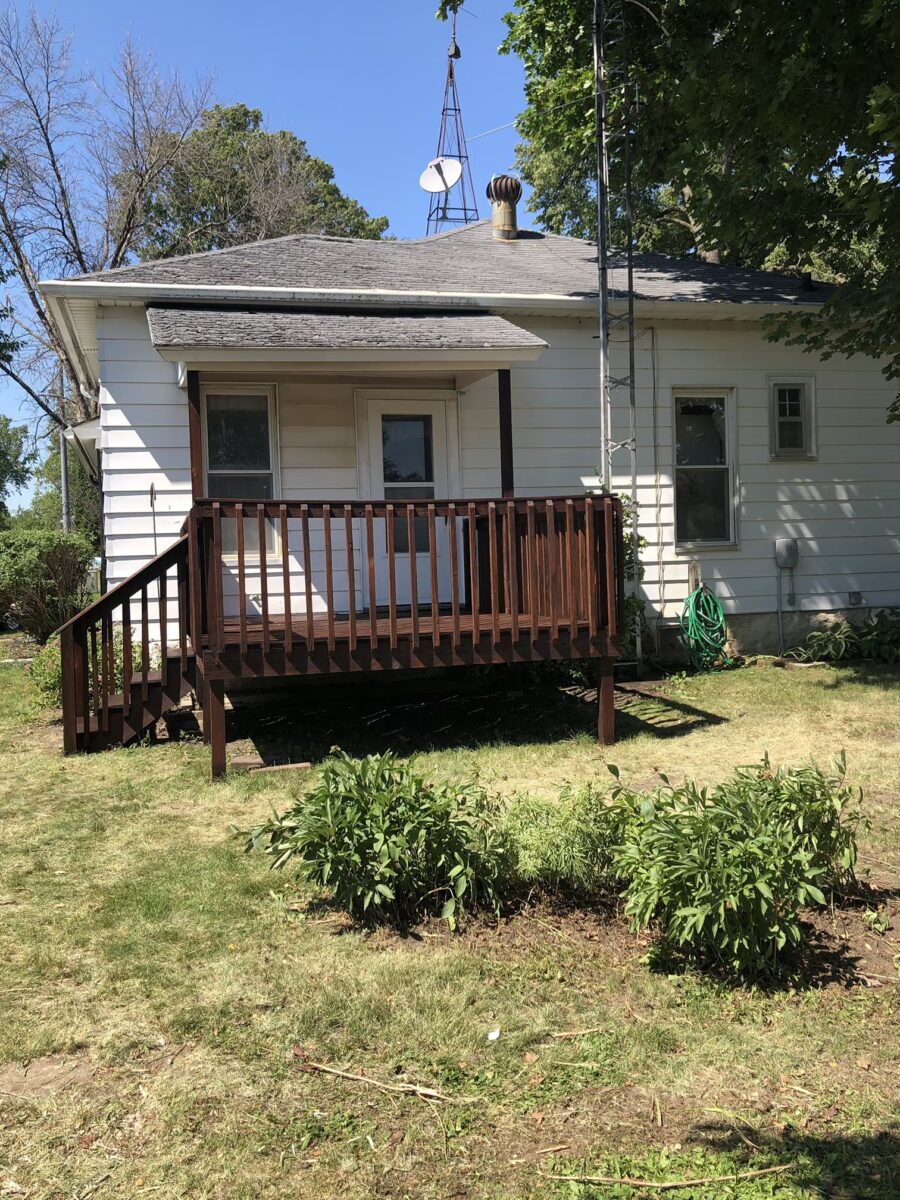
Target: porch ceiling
[197, 334]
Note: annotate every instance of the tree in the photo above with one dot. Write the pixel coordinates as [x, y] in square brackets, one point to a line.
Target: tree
[231, 182]
[16, 459]
[45, 509]
[766, 136]
[79, 156]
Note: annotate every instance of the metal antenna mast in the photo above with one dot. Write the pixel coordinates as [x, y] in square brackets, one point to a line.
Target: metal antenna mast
[606, 17]
[457, 205]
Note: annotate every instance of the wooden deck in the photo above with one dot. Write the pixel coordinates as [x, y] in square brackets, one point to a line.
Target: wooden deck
[255, 589]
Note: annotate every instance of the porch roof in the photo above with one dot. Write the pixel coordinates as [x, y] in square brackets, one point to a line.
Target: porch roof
[191, 329]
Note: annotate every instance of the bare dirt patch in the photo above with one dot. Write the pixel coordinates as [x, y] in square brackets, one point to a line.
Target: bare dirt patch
[46, 1076]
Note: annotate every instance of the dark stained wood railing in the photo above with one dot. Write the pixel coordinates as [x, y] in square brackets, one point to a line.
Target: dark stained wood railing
[380, 574]
[128, 656]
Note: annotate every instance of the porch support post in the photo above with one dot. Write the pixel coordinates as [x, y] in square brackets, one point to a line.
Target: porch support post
[194, 433]
[606, 716]
[214, 717]
[507, 489]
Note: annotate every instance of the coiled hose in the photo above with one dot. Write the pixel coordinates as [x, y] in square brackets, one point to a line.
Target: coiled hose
[703, 632]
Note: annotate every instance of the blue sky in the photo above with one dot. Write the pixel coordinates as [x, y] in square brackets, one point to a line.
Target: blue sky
[361, 82]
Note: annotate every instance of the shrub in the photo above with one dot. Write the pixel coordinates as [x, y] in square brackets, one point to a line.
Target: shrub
[43, 578]
[46, 668]
[725, 872]
[391, 845]
[877, 638]
[564, 845]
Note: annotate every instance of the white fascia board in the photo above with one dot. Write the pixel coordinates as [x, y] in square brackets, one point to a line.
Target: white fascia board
[461, 360]
[59, 310]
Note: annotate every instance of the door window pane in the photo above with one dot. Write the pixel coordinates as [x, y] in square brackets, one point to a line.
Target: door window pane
[700, 431]
[420, 525]
[237, 433]
[702, 505]
[407, 454]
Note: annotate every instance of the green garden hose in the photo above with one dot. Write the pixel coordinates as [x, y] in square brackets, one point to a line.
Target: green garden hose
[703, 632]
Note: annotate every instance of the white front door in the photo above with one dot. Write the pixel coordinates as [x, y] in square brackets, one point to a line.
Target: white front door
[408, 460]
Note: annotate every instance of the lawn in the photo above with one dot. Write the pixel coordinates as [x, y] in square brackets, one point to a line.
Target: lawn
[167, 992]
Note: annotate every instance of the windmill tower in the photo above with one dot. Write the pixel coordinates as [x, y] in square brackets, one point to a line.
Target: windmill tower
[453, 193]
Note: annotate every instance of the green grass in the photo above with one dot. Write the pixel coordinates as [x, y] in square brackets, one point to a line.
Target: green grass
[139, 942]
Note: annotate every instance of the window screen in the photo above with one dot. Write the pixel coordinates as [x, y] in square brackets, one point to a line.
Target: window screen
[703, 476]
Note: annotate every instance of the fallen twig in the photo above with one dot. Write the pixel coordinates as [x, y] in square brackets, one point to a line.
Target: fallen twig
[405, 1089]
[577, 1033]
[669, 1185]
[93, 1187]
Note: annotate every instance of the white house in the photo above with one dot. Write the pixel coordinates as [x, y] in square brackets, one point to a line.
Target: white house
[309, 371]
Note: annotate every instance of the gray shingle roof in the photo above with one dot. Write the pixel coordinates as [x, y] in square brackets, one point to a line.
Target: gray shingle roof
[279, 329]
[465, 260]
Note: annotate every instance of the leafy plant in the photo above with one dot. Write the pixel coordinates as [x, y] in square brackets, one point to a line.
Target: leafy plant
[46, 667]
[43, 578]
[390, 844]
[876, 921]
[724, 872]
[561, 846]
[877, 639]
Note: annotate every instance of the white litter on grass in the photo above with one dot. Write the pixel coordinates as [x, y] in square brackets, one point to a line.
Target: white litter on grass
[493, 1035]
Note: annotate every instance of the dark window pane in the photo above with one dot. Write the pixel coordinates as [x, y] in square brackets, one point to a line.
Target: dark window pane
[406, 449]
[790, 435]
[237, 433]
[401, 529]
[240, 487]
[700, 431]
[790, 402]
[702, 506]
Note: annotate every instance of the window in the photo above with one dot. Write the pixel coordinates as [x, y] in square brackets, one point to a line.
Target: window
[408, 467]
[791, 421]
[704, 468]
[240, 454]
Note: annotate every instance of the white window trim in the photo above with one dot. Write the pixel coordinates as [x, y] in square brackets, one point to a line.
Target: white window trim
[270, 390]
[808, 382]
[730, 396]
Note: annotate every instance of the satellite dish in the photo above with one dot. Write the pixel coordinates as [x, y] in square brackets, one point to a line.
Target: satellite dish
[441, 175]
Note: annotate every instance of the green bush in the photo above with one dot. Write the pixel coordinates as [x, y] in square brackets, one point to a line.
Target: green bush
[46, 668]
[564, 845]
[724, 872]
[43, 578]
[877, 639]
[391, 845]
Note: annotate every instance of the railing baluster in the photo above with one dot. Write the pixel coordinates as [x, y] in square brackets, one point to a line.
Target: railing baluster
[127, 657]
[242, 575]
[413, 572]
[329, 572]
[370, 555]
[552, 570]
[286, 578]
[95, 673]
[263, 575]
[591, 566]
[617, 560]
[107, 669]
[433, 572]
[307, 579]
[474, 598]
[162, 600]
[145, 643]
[214, 579]
[392, 580]
[494, 571]
[82, 682]
[531, 569]
[454, 571]
[512, 582]
[570, 568]
[351, 574]
[69, 690]
[182, 575]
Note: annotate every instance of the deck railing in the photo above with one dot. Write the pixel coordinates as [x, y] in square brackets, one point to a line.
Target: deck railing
[130, 643]
[378, 572]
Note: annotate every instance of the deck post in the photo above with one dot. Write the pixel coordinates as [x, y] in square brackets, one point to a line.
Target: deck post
[214, 719]
[606, 716]
[195, 434]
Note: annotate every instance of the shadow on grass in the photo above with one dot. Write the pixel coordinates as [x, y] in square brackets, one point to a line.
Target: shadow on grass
[843, 1166]
[472, 712]
[860, 673]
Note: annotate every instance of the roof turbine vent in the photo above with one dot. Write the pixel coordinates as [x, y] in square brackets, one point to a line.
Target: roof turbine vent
[504, 193]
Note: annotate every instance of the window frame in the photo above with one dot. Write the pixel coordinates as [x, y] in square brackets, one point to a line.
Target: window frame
[809, 450]
[270, 390]
[729, 395]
